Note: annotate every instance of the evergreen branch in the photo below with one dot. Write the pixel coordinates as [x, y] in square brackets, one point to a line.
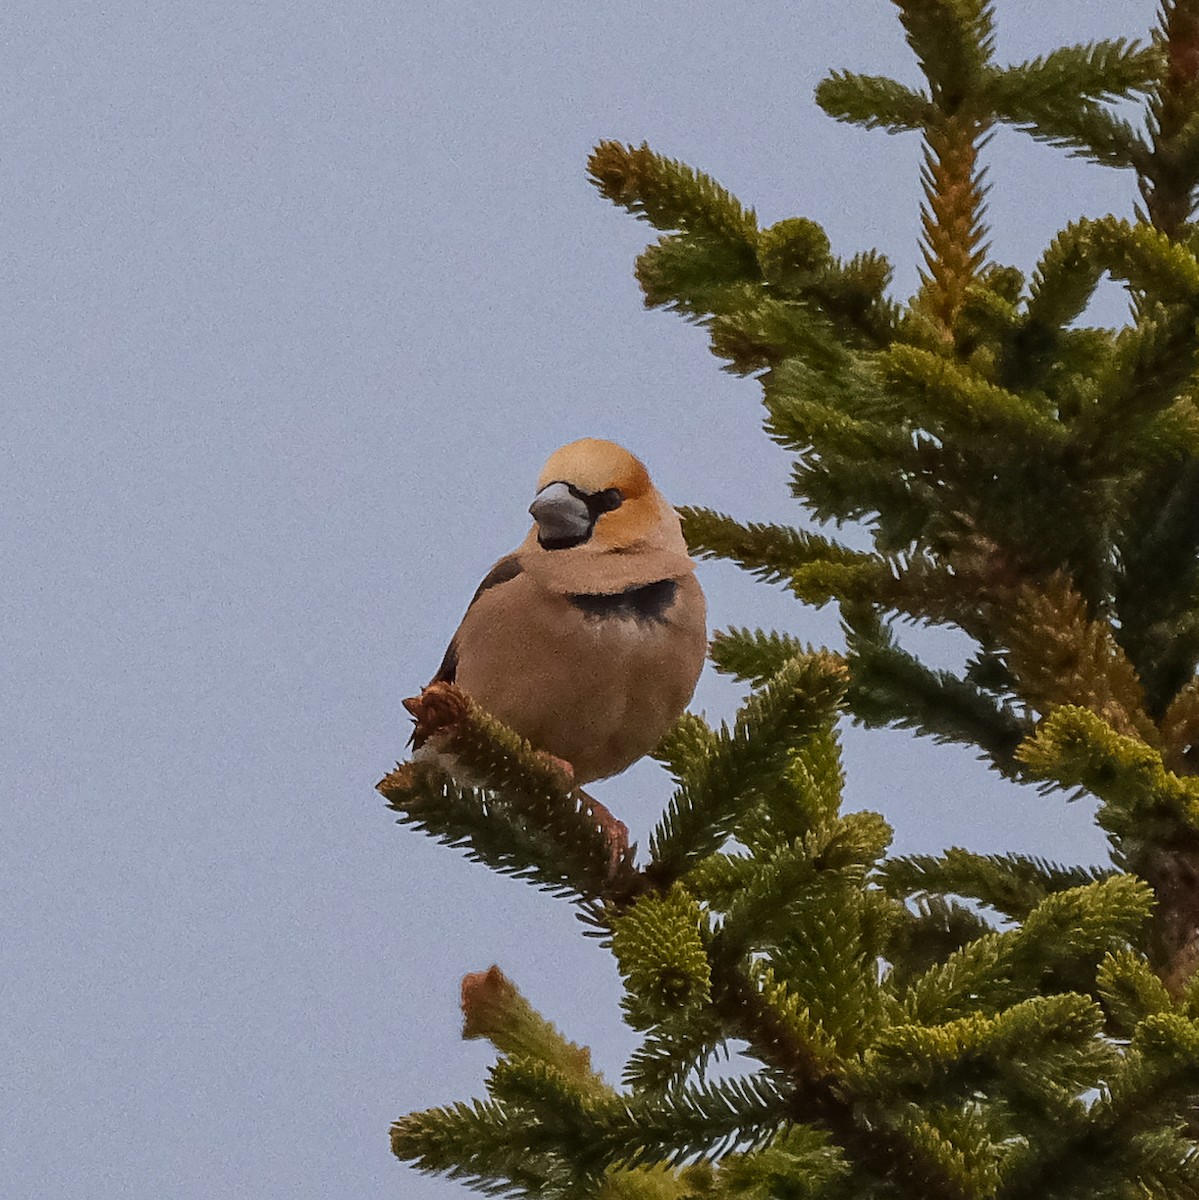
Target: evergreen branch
[669, 194]
[697, 275]
[769, 552]
[1158, 582]
[1042, 1051]
[793, 254]
[1172, 436]
[949, 398]
[671, 1051]
[1171, 173]
[953, 41]
[1175, 160]
[951, 218]
[561, 1146]
[811, 304]
[701, 1121]
[1128, 1132]
[1087, 130]
[1166, 651]
[854, 295]
[1057, 654]
[1180, 730]
[1164, 1080]
[753, 657]
[802, 1057]
[780, 1035]
[828, 378]
[970, 581]
[561, 1115]
[806, 414]
[926, 934]
[1079, 1160]
[816, 780]
[1065, 938]
[482, 1143]
[802, 802]
[494, 1009]
[1057, 949]
[468, 819]
[804, 1021]
[1070, 269]
[1146, 258]
[1142, 800]
[956, 1143]
[1012, 884]
[660, 951]
[899, 503]
[1104, 70]
[825, 982]
[1151, 368]
[889, 686]
[874, 102]
[643, 1183]
[823, 872]
[711, 797]
[1151, 813]
[542, 1090]
[1056, 98]
[686, 745]
[991, 310]
[1130, 991]
[802, 1152]
[721, 877]
[529, 822]
[917, 584]
[1155, 365]
[763, 334]
[1064, 279]
[970, 978]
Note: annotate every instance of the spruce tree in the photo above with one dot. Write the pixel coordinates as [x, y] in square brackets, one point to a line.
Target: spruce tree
[937, 1027]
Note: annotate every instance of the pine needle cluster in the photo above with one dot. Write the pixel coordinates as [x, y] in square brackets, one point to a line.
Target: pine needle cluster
[942, 1027]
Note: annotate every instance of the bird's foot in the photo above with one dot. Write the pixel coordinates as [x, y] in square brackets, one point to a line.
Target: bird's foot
[615, 832]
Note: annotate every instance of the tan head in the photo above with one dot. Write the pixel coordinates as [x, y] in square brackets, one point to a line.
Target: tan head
[596, 494]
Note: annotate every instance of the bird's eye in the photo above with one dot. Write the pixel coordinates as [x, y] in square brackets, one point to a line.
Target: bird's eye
[608, 499]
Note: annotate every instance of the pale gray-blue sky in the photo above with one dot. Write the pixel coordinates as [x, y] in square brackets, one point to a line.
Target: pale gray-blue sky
[297, 298]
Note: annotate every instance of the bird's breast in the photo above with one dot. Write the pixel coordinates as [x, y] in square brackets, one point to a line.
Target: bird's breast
[593, 678]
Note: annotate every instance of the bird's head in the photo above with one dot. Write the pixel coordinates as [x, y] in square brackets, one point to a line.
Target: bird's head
[595, 493]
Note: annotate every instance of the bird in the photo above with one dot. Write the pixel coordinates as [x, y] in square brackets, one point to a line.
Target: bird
[589, 638]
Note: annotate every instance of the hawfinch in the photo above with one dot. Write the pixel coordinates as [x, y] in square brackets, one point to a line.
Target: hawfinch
[588, 639]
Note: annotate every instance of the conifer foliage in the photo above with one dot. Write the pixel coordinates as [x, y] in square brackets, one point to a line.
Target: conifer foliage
[941, 1027]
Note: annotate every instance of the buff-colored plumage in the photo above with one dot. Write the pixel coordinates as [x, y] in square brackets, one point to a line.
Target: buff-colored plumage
[589, 638]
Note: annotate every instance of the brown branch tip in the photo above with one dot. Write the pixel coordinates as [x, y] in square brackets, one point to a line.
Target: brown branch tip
[487, 998]
[439, 707]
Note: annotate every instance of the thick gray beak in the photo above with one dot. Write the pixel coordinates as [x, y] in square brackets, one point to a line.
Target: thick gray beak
[561, 516]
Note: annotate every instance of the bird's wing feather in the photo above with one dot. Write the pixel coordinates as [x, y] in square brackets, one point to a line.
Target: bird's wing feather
[507, 569]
